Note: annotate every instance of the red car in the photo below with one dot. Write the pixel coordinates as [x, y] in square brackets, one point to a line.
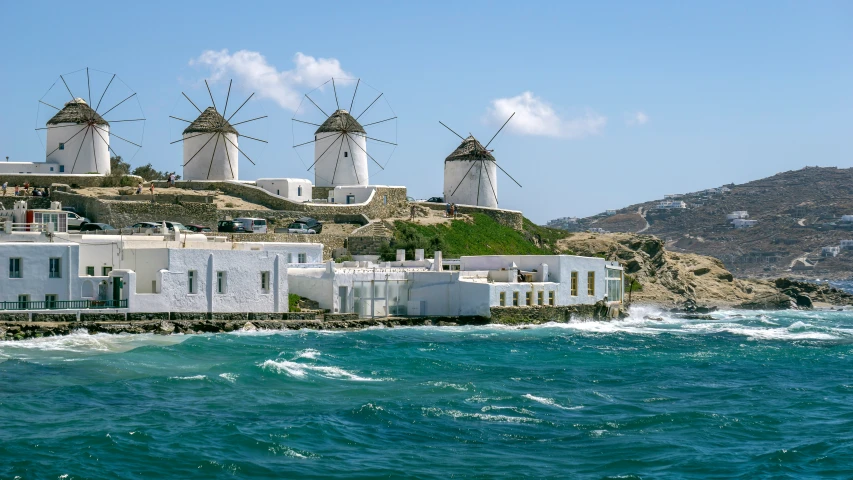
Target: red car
[199, 229]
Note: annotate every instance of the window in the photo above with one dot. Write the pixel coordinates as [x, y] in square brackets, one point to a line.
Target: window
[220, 282]
[345, 154]
[105, 271]
[613, 284]
[574, 284]
[191, 281]
[90, 271]
[51, 169]
[551, 298]
[265, 282]
[514, 299]
[502, 299]
[302, 258]
[299, 191]
[62, 146]
[23, 301]
[590, 283]
[55, 268]
[15, 268]
[61, 168]
[540, 300]
[50, 300]
[384, 199]
[277, 192]
[289, 258]
[529, 299]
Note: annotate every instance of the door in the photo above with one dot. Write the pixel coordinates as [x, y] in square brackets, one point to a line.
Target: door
[350, 199]
[117, 289]
[344, 299]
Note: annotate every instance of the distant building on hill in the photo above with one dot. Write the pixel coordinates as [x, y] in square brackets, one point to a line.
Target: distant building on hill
[740, 214]
[743, 223]
[847, 218]
[830, 251]
[671, 205]
[846, 245]
[610, 212]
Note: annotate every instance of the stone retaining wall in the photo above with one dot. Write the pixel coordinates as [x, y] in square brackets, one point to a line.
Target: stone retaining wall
[545, 313]
[123, 214]
[387, 201]
[509, 218]
[359, 245]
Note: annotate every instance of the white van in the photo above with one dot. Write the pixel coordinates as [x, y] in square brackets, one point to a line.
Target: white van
[253, 225]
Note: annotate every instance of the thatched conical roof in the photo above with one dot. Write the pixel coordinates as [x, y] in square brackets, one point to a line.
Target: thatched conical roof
[341, 121]
[77, 111]
[470, 149]
[210, 121]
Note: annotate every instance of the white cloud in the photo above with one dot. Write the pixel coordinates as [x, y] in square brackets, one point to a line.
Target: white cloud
[536, 117]
[252, 71]
[636, 119]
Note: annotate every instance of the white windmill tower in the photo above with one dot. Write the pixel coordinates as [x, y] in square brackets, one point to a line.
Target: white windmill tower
[210, 142]
[470, 173]
[78, 139]
[78, 135]
[340, 156]
[340, 136]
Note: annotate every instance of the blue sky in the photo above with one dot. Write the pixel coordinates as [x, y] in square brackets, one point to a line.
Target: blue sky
[620, 101]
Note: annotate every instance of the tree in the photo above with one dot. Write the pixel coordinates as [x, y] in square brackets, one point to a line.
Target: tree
[119, 167]
[148, 172]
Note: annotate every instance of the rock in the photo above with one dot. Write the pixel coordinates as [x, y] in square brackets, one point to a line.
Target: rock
[249, 327]
[691, 316]
[167, 327]
[701, 271]
[803, 301]
[772, 301]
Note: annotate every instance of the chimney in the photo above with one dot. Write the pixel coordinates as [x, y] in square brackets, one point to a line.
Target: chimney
[401, 255]
[437, 261]
[419, 254]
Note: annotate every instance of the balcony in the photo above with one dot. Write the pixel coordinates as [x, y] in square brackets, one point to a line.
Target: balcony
[64, 305]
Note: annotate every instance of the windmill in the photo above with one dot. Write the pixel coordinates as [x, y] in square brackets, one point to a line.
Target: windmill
[210, 142]
[470, 172]
[77, 136]
[340, 139]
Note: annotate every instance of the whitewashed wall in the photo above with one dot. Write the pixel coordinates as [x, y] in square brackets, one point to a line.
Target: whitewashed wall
[225, 158]
[28, 167]
[474, 181]
[288, 188]
[334, 169]
[36, 281]
[93, 148]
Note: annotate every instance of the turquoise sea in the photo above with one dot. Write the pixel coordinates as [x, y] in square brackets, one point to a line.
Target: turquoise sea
[745, 395]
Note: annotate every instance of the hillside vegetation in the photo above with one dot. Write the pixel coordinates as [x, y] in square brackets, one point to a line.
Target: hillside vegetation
[797, 214]
[477, 235]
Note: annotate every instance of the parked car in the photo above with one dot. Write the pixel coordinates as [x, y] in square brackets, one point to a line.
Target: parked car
[199, 229]
[436, 200]
[230, 226]
[93, 227]
[76, 221]
[305, 225]
[176, 226]
[145, 225]
[253, 225]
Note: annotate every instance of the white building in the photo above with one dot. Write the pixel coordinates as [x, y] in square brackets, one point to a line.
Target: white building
[470, 175]
[847, 218]
[340, 152]
[846, 244]
[43, 267]
[294, 189]
[422, 287]
[670, 205]
[210, 148]
[743, 223]
[78, 142]
[740, 214]
[142, 273]
[830, 251]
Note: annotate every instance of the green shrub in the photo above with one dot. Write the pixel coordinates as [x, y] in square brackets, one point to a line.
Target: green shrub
[229, 205]
[293, 302]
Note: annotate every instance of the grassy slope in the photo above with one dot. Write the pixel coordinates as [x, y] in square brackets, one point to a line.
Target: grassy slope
[482, 236]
